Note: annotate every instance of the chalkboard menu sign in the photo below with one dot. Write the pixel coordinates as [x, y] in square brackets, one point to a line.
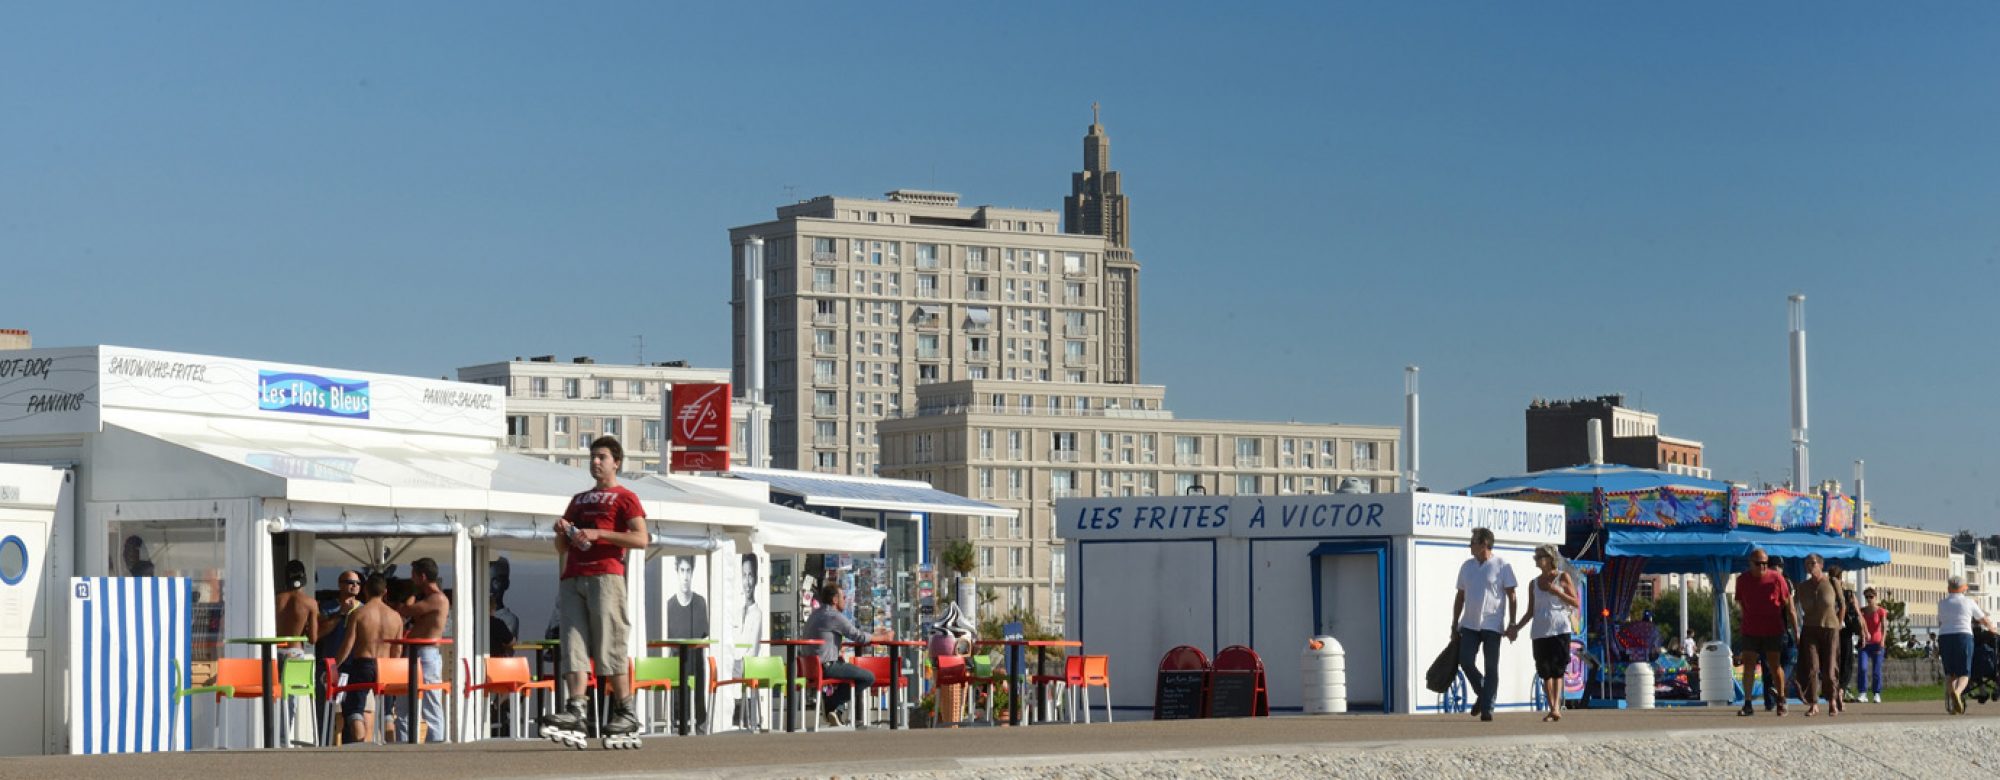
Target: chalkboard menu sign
[1181, 694]
[1232, 694]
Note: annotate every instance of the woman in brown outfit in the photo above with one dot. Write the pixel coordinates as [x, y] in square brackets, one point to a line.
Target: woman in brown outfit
[1819, 659]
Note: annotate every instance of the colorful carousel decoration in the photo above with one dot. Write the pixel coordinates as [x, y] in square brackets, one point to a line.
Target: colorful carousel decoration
[1627, 522]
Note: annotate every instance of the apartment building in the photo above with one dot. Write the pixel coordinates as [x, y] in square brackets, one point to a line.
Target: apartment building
[1022, 445]
[1557, 437]
[867, 299]
[1919, 562]
[555, 409]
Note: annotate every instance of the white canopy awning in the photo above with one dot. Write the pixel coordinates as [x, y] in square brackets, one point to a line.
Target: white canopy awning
[979, 315]
[780, 529]
[416, 478]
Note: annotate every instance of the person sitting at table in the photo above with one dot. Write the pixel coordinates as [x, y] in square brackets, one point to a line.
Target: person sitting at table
[368, 632]
[829, 624]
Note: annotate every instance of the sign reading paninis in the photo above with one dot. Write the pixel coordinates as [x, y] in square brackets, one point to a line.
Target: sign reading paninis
[298, 393]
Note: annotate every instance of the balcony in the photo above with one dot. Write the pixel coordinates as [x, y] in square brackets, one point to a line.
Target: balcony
[1079, 330]
[517, 441]
[826, 380]
[1075, 300]
[929, 323]
[826, 441]
[979, 295]
[978, 266]
[1076, 361]
[825, 258]
[826, 349]
[1063, 456]
[824, 318]
[1249, 461]
[1187, 458]
[986, 453]
[929, 293]
[826, 410]
[929, 354]
[649, 445]
[825, 287]
[980, 356]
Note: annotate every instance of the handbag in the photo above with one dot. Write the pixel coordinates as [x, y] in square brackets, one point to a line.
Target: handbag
[1444, 670]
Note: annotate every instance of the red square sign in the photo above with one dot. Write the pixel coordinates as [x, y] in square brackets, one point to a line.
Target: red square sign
[701, 416]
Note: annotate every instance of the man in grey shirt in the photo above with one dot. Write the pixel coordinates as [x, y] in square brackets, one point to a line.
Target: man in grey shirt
[830, 624]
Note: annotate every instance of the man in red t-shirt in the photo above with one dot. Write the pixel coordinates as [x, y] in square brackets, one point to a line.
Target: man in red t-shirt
[591, 539]
[1766, 599]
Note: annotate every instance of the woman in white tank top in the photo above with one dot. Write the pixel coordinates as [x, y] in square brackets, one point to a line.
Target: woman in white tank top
[1552, 605]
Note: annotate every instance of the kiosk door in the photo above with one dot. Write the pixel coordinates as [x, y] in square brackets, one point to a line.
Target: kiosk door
[1351, 603]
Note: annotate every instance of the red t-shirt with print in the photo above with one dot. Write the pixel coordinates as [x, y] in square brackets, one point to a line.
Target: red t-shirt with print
[1763, 598]
[612, 509]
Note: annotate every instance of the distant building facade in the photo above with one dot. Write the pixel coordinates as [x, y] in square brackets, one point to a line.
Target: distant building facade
[555, 409]
[16, 338]
[1558, 437]
[1022, 445]
[1919, 562]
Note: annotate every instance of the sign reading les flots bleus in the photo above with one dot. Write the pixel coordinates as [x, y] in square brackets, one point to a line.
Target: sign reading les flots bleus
[298, 393]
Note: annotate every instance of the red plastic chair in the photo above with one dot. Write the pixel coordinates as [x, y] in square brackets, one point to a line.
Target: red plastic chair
[330, 730]
[878, 665]
[951, 670]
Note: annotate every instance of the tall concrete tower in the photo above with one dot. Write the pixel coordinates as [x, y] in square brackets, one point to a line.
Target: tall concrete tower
[1097, 206]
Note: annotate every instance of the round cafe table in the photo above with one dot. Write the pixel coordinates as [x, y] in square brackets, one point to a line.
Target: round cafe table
[793, 701]
[684, 696]
[265, 644]
[416, 675]
[539, 703]
[1014, 676]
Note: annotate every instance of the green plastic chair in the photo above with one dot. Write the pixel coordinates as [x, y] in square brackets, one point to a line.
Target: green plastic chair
[295, 680]
[656, 676]
[987, 673]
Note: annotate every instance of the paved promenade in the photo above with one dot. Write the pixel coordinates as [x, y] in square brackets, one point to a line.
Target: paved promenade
[1875, 740]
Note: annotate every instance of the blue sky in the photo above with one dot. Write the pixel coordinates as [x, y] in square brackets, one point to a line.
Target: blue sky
[1527, 200]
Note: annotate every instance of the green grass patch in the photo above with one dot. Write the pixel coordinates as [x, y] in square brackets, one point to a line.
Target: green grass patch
[1914, 693]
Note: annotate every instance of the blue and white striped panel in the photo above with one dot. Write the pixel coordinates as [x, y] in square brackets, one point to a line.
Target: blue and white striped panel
[131, 639]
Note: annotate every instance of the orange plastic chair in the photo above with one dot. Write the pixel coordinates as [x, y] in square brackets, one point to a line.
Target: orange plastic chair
[235, 678]
[1095, 673]
[393, 681]
[510, 677]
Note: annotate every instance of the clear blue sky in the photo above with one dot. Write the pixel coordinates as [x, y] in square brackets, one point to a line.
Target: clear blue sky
[1541, 199]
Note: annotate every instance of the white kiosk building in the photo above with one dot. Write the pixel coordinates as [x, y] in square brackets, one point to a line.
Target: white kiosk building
[133, 464]
[1376, 572]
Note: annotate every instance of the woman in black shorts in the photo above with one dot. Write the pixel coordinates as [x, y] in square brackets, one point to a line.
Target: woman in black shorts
[1552, 606]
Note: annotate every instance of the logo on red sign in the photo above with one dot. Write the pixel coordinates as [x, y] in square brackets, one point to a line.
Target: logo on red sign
[701, 416]
[700, 460]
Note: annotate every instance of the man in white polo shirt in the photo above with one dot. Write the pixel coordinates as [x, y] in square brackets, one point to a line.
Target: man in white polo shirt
[1484, 581]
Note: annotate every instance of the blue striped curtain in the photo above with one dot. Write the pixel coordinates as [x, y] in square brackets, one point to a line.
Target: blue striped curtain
[131, 642]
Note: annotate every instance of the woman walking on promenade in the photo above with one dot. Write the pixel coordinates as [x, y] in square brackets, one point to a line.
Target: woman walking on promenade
[1552, 605]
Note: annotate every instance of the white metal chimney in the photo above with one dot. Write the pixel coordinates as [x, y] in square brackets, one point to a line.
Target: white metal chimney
[1410, 429]
[1800, 462]
[1594, 440]
[759, 449]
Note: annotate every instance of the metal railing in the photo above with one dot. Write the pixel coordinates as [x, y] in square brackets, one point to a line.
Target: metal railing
[825, 258]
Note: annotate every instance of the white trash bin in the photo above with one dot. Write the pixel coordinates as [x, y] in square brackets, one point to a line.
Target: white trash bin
[1718, 673]
[1639, 686]
[1323, 676]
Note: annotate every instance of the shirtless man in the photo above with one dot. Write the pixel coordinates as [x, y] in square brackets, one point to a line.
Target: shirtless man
[298, 614]
[367, 631]
[426, 611]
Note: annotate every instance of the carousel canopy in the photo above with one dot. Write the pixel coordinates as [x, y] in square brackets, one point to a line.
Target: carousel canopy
[1610, 477]
[1671, 551]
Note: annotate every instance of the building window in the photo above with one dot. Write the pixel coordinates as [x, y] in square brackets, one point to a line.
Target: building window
[1246, 485]
[1364, 455]
[986, 561]
[603, 388]
[611, 426]
[572, 388]
[1062, 446]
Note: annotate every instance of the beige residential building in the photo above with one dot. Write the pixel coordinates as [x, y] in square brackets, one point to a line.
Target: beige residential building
[16, 338]
[555, 409]
[1919, 562]
[865, 300]
[1021, 445]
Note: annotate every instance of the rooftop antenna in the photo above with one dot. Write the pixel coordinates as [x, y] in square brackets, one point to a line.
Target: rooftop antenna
[791, 193]
[640, 339]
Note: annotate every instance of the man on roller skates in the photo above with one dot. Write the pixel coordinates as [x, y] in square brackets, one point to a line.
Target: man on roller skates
[591, 538]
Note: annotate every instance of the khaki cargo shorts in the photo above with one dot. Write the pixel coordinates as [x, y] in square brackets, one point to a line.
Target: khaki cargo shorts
[594, 624]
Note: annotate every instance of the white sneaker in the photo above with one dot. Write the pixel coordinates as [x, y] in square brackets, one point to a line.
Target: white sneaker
[1877, 699]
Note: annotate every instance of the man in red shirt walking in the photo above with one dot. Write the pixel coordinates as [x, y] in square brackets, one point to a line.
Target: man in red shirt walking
[1766, 599]
[591, 539]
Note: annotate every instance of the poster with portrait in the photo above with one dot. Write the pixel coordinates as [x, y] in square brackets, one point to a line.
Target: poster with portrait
[686, 609]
